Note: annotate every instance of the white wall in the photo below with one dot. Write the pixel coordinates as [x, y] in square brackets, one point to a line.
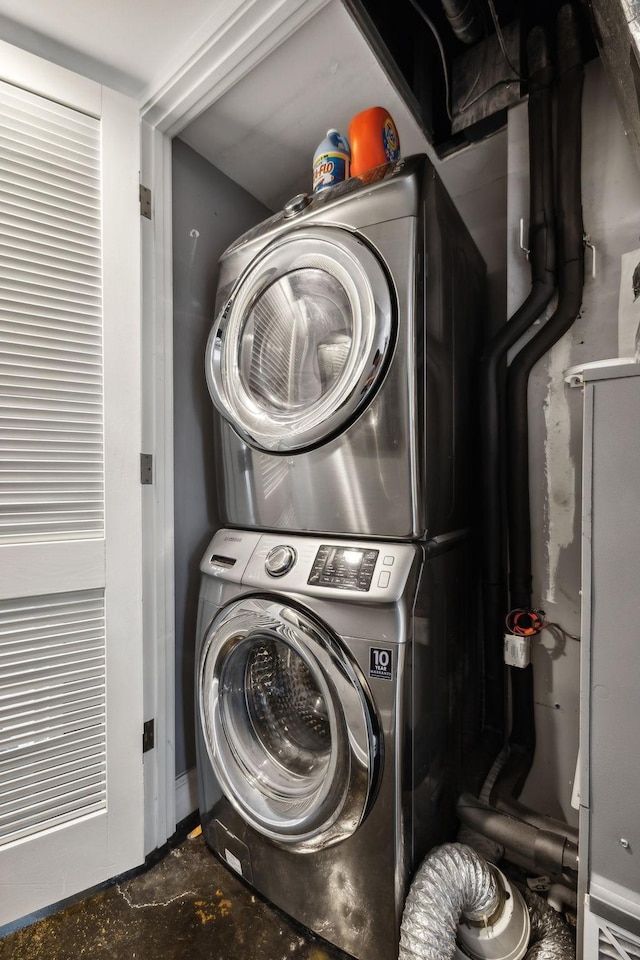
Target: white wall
[611, 213]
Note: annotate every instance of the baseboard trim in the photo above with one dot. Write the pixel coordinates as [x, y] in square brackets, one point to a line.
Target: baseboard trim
[186, 794]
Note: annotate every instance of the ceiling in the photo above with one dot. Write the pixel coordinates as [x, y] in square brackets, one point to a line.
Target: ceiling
[130, 46]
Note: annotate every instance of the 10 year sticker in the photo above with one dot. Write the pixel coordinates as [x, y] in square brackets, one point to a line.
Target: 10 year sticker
[381, 663]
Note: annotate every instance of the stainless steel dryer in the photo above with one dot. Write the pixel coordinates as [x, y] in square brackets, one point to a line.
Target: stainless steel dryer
[337, 691]
[342, 360]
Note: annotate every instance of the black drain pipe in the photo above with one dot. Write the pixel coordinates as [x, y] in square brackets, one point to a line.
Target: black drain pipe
[570, 236]
[542, 259]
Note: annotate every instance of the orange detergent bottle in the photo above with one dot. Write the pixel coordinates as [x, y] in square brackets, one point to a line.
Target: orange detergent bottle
[374, 140]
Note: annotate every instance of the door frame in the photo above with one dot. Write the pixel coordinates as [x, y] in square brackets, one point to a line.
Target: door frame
[239, 37]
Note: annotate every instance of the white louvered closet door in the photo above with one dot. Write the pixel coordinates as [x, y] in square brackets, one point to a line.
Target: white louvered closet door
[71, 813]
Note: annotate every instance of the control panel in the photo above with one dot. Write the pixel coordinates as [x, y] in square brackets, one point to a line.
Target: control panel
[328, 568]
[344, 568]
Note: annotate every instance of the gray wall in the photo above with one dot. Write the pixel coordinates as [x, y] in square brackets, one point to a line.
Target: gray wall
[476, 180]
[611, 212]
[209, 212]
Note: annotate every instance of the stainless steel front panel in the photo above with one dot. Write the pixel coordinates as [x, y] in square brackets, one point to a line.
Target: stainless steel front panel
[428, 712]
[404, 468]
[362, 482]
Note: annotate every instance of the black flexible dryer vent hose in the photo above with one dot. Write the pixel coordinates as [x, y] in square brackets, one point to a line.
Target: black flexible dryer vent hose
[542, 258]
[570, 236]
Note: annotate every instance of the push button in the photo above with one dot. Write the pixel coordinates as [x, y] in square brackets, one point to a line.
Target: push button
[296, 205]
[389, 561]
[383, 579]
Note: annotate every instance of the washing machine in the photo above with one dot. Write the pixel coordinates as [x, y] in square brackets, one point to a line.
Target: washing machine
[337, 697]
[342, 362]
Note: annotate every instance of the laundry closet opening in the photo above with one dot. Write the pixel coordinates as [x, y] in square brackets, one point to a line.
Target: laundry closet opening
[233, 166]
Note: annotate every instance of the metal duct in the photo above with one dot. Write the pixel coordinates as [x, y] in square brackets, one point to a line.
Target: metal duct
[464, 19]
[551, 938]
[550, 852]
[514, 808]
[455, 886]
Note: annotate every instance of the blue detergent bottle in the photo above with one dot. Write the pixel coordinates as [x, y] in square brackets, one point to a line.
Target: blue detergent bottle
[331, 161]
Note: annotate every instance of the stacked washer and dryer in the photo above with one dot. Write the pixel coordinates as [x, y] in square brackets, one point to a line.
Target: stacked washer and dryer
[338, 666]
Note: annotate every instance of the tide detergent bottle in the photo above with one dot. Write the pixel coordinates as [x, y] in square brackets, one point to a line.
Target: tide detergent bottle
[331, 161]
[374, 140]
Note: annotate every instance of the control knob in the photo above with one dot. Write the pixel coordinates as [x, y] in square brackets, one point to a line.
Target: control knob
[280, 560]
[296, 205]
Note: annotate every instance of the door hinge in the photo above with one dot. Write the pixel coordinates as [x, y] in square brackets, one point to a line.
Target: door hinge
[146, 468]
[145, 202]
[148, 736]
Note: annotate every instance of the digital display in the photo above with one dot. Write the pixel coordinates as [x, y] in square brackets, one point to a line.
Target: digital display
[345, 568]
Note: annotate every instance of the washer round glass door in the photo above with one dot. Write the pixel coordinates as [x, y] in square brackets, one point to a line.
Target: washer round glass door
[303, 342]
[288, 723]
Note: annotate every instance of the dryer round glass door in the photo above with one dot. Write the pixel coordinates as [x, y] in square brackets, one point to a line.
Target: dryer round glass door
[302, 344]
[288, 722]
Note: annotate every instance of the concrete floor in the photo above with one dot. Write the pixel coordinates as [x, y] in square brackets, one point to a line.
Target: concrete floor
[187, 907]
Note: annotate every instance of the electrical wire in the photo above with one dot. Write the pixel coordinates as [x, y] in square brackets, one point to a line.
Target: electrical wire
[533, 623]
[524, 623]
[503, 46]
[564, 632]
[429, 22]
